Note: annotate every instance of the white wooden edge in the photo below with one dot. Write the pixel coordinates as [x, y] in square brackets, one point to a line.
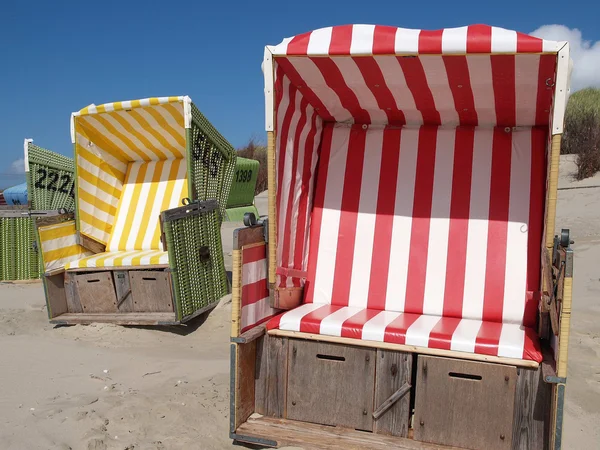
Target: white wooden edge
[187, 112]
[267, 68]
[26, 153]
[406, 348]
[561, 89]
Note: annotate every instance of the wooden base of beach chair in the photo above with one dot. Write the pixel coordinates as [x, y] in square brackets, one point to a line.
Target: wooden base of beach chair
[298, 392]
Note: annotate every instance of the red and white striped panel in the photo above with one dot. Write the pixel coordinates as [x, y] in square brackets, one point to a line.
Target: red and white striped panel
[448, 333]
[352, 40]
[445, 222]
[297, 145]
[475, 89]
[255, 289]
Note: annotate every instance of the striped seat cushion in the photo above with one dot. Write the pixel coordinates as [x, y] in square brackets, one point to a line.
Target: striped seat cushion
[149, 188]
[121, 259]
[446, 333]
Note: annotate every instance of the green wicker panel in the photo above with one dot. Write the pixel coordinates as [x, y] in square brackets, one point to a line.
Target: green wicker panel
[19, 259]
[237, 214]
[244, 183]
[51, 180]
[212, 161]
[197, 281]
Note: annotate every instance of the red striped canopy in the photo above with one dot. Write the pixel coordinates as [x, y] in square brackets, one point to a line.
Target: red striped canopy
[411, 166]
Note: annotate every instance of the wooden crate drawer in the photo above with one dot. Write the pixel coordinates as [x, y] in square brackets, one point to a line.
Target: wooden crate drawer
[96, 292]
[331, 384]
[150, 291]
[464, 403]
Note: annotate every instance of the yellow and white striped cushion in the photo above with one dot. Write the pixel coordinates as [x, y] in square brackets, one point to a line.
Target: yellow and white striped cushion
[149, 188]
[59, 245]
[122, 259]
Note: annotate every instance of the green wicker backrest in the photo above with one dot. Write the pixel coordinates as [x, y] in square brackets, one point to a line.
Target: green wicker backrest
[212, 161]
[244, 182]
[50, 180]
[18, 256]
[193, 236]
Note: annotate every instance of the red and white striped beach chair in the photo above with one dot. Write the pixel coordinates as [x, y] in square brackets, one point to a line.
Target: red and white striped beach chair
[412, 213]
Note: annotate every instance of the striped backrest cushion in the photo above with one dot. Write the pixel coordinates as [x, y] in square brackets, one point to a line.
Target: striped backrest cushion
[429, 220]
[149, 188]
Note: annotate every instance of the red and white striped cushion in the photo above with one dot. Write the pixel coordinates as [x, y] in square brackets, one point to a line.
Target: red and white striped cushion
[256, 308]
[447, 333]
[429, 221]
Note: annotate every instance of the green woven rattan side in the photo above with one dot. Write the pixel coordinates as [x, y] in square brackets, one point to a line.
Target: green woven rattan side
[19, 259]
[212, 161]
[244, 183]
[51, 181]
[197, 282]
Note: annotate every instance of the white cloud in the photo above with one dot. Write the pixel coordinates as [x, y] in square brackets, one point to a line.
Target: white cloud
[585, 54]
[18, 166]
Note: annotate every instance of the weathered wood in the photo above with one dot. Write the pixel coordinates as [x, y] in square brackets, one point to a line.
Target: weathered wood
[310, 436]
[151, 291]
[261, 370]
[123, 290]
[144, 267]
[464, 403]
[96, 292]
[531, 423]
[251, 335]
[406, 348]
[55, 295]
[391, 401]
[73, 301]
[331, 384]
[287, 298]
[44, 221]
[142, 319]
[394, 370]
[277, 376]
[90, 244]
[244, 383]
[246, 236]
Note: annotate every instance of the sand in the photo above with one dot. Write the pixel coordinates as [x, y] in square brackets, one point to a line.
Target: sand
[108, 387]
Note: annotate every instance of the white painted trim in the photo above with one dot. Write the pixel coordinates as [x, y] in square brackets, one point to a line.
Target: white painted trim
[267, 68]
[187, 111]
[561, 89]
[26, 153]
[73, 128]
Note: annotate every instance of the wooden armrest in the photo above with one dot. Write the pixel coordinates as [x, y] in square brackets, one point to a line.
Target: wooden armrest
[251, 335]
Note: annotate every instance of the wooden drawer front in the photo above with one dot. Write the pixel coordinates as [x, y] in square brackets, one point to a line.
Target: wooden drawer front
[96, 292]
[464, 404]
[331, 384]
[151, 291]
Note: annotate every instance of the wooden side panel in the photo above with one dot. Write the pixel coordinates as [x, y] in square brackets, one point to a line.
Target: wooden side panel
[261, 375]
[277, 377]
[244, 385]
[73, 301]
[123, 289]
[96, 292]
[90, 244]
[331, 384]
[531, 426]
[55, 295]
[151, 291]
[392, 371]
[465, 404]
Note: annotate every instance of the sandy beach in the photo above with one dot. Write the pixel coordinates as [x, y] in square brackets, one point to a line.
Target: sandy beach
[104, 387]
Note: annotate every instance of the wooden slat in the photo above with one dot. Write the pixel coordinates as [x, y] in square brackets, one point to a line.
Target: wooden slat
[123, 290]
[278, 350]
[261, 371]
[394, 369]
[72, 293]
[310, 436]
[252, 334]
[56, 295]
[244, 382]
[117, 318]
[532, 410]
[464, 403]
[243, 237]
[96, 269]
[552, 191]
[331, 384]
[406, 348]
[90, 244]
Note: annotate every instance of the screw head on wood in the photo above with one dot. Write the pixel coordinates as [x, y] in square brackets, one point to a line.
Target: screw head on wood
[502, 436]
[294, 350]
[364, 412]
[294, 403]
[422, 423]
[367, 358]
[506, 378]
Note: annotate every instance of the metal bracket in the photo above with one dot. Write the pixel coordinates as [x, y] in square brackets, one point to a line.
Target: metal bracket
[554, 380]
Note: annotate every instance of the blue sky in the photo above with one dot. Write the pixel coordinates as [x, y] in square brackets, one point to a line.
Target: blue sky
[59, 56]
